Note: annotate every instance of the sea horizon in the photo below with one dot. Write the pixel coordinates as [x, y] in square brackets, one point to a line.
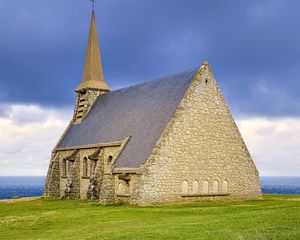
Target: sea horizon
[30, 186]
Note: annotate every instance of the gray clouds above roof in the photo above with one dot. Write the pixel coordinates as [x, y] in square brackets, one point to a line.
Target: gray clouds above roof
[252, 46]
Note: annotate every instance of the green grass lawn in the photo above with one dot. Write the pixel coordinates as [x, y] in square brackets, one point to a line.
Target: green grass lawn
[275, 217]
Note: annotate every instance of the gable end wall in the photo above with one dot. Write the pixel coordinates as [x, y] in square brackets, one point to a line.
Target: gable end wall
[201, 143]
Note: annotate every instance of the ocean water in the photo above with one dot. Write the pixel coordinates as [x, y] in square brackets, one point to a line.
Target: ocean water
[21, 186]
[33, 186]
[280, 185]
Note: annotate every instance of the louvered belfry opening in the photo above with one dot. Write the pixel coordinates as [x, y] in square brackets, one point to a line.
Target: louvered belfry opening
[81, 107]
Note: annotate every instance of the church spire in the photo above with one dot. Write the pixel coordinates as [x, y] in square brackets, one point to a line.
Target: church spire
[93, 73]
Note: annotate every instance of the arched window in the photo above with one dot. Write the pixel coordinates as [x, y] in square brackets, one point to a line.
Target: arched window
[195, 187]
[185, 187]
[216, 186]
[225, 186]
[123, 188]
[85, 167]
[205, 186]
[109, 159]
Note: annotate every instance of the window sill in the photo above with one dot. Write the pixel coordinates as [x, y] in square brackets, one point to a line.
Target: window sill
[85, 177]
[205, 195]
[63, 177]
[123, 195]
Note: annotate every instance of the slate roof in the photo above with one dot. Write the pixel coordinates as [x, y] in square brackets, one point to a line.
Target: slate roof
[141, 111]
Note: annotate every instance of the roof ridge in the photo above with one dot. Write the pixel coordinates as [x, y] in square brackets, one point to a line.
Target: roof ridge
[155, 80]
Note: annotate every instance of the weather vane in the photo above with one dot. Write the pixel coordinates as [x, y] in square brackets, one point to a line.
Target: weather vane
[93, 4]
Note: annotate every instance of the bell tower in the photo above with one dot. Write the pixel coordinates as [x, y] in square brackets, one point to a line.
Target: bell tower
[92, 84]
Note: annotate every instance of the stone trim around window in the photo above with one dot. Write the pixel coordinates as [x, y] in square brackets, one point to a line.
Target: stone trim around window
[205, 195]
[123, 195]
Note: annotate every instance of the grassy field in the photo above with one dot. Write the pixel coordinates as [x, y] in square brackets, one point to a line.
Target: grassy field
[275, 217]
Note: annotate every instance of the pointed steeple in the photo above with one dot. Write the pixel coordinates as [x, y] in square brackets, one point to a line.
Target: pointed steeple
[93, 74]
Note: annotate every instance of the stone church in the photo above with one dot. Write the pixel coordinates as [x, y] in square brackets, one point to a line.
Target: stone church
[171, 140]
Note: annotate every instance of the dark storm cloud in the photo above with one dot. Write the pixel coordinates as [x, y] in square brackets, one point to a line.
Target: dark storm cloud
[252, 46]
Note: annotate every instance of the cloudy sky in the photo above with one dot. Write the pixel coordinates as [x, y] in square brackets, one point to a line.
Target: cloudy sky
[253, 48]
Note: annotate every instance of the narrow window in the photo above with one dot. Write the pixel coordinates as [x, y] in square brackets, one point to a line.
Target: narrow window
[195, 187]
[123, 188]
[216, 186]
[64, 168]
[225, 186]
[205, 186]
[206, 81]
[185, 187]
[109, 159]
[85, 167]
[120, 188]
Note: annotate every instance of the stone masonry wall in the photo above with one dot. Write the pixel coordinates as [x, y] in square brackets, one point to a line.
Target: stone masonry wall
[107, 190]
[53, 178]
[124, 191]
[98, 170]
[58, 176]
[201, 155]
[73, 173]
[82, 108]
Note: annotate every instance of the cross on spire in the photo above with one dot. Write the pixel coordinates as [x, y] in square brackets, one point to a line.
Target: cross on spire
[93, 4]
